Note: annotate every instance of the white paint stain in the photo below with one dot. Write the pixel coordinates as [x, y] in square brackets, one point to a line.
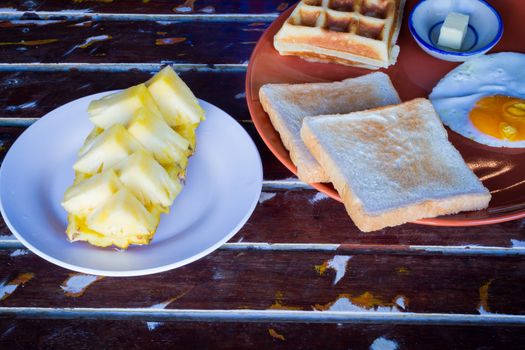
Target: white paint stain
[516, 243]
[266, 196]
[22, 106]
[482, 311]
[160, 306]
[76, 11]
[240, 240]
[6, 290]
[81, 24]
[183, 9]
[7, 9]
[76, 285]
[338, 263]
[318, 197]
[240, 95]
[19, 252]
[88, 42]
[207, 9]
[382, 343]
[344, 304]
[400, 302]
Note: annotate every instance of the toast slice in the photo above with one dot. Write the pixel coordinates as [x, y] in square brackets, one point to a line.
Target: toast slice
[288, 104]
[393, 164]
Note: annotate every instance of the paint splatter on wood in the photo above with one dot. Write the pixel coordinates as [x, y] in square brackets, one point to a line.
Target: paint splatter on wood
[152, 325]
[6, 289]
[364, 302]
[29, 42]
[318, 197]
[403, 270]
[273, 333]
[265, 196]
[279, 305]
[76, 284]
[169, 41]
[207, 9]
[338, 263]
[383, 343]
[516, 243]
[186, 7]
[19, 252]
[483, 307]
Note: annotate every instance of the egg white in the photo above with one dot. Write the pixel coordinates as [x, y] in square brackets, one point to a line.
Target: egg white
[457, 92]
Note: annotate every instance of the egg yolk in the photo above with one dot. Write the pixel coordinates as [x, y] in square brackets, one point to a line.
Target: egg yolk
[500, 116]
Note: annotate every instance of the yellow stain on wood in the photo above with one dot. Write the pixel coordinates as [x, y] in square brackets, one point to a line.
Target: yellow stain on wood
[484, 295]
[321, 269]
[274, 334]
[282, 6]
[403, 270]
[92, 40]
[278, 303]
[169, 41]
[7, 289]
[29, 42]
[256, 24]
[367, 301]
[187, 6]
[162, 33]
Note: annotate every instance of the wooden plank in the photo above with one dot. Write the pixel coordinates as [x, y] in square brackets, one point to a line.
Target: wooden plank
[304, 216]
[62, 334]
[362, 283]
[127, 41]
[150, 7]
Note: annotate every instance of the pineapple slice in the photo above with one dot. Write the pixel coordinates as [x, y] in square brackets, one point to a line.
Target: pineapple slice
[122, 215]
[148, 180]
[77, 230]
[107, 149]
[118, 108]
[156, 136]
[86, 195]
[188, 132]
[176, 102]
[133, 163]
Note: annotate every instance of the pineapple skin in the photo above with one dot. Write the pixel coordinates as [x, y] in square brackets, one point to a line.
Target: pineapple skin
[79, 227]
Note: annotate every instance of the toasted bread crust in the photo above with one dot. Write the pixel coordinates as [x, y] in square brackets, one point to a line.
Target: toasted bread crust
[438, 182]
[288, 104]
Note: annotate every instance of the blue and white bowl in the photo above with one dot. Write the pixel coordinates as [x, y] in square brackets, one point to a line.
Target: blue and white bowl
[484, 30]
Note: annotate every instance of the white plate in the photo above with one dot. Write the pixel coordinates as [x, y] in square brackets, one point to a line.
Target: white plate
[223, 184]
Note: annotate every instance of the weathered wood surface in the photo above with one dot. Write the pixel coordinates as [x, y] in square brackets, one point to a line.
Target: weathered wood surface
[300, 215]
[265, 280]
[27, 94]
[90, 334]
[150, 7]
[127, 41]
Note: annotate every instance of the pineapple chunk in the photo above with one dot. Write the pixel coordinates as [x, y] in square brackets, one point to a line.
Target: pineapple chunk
[188, 132]
[176, 102]
[122, 215]
[77, 230]
[156, 136]
[107, 149]
[118, 108]
[86, 195]
[148, 180]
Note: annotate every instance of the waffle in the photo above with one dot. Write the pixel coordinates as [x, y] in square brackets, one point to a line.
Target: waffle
[351, 32]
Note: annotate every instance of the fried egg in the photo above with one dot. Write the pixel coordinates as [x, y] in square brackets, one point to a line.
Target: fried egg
[484, 99]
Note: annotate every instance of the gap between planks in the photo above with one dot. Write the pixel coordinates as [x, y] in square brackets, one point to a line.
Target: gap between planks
[122, 67]
[285, 316]
[175, 18]
[10, 242]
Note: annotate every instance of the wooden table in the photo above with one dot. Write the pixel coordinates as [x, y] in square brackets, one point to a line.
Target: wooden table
[298, 275]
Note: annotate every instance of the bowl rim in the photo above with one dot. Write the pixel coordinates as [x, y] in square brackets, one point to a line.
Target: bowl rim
[433, 48]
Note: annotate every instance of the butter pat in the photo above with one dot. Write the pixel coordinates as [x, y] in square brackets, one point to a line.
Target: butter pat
[453, 31]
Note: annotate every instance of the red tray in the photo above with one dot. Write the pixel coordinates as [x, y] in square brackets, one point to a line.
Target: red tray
[501, 170]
